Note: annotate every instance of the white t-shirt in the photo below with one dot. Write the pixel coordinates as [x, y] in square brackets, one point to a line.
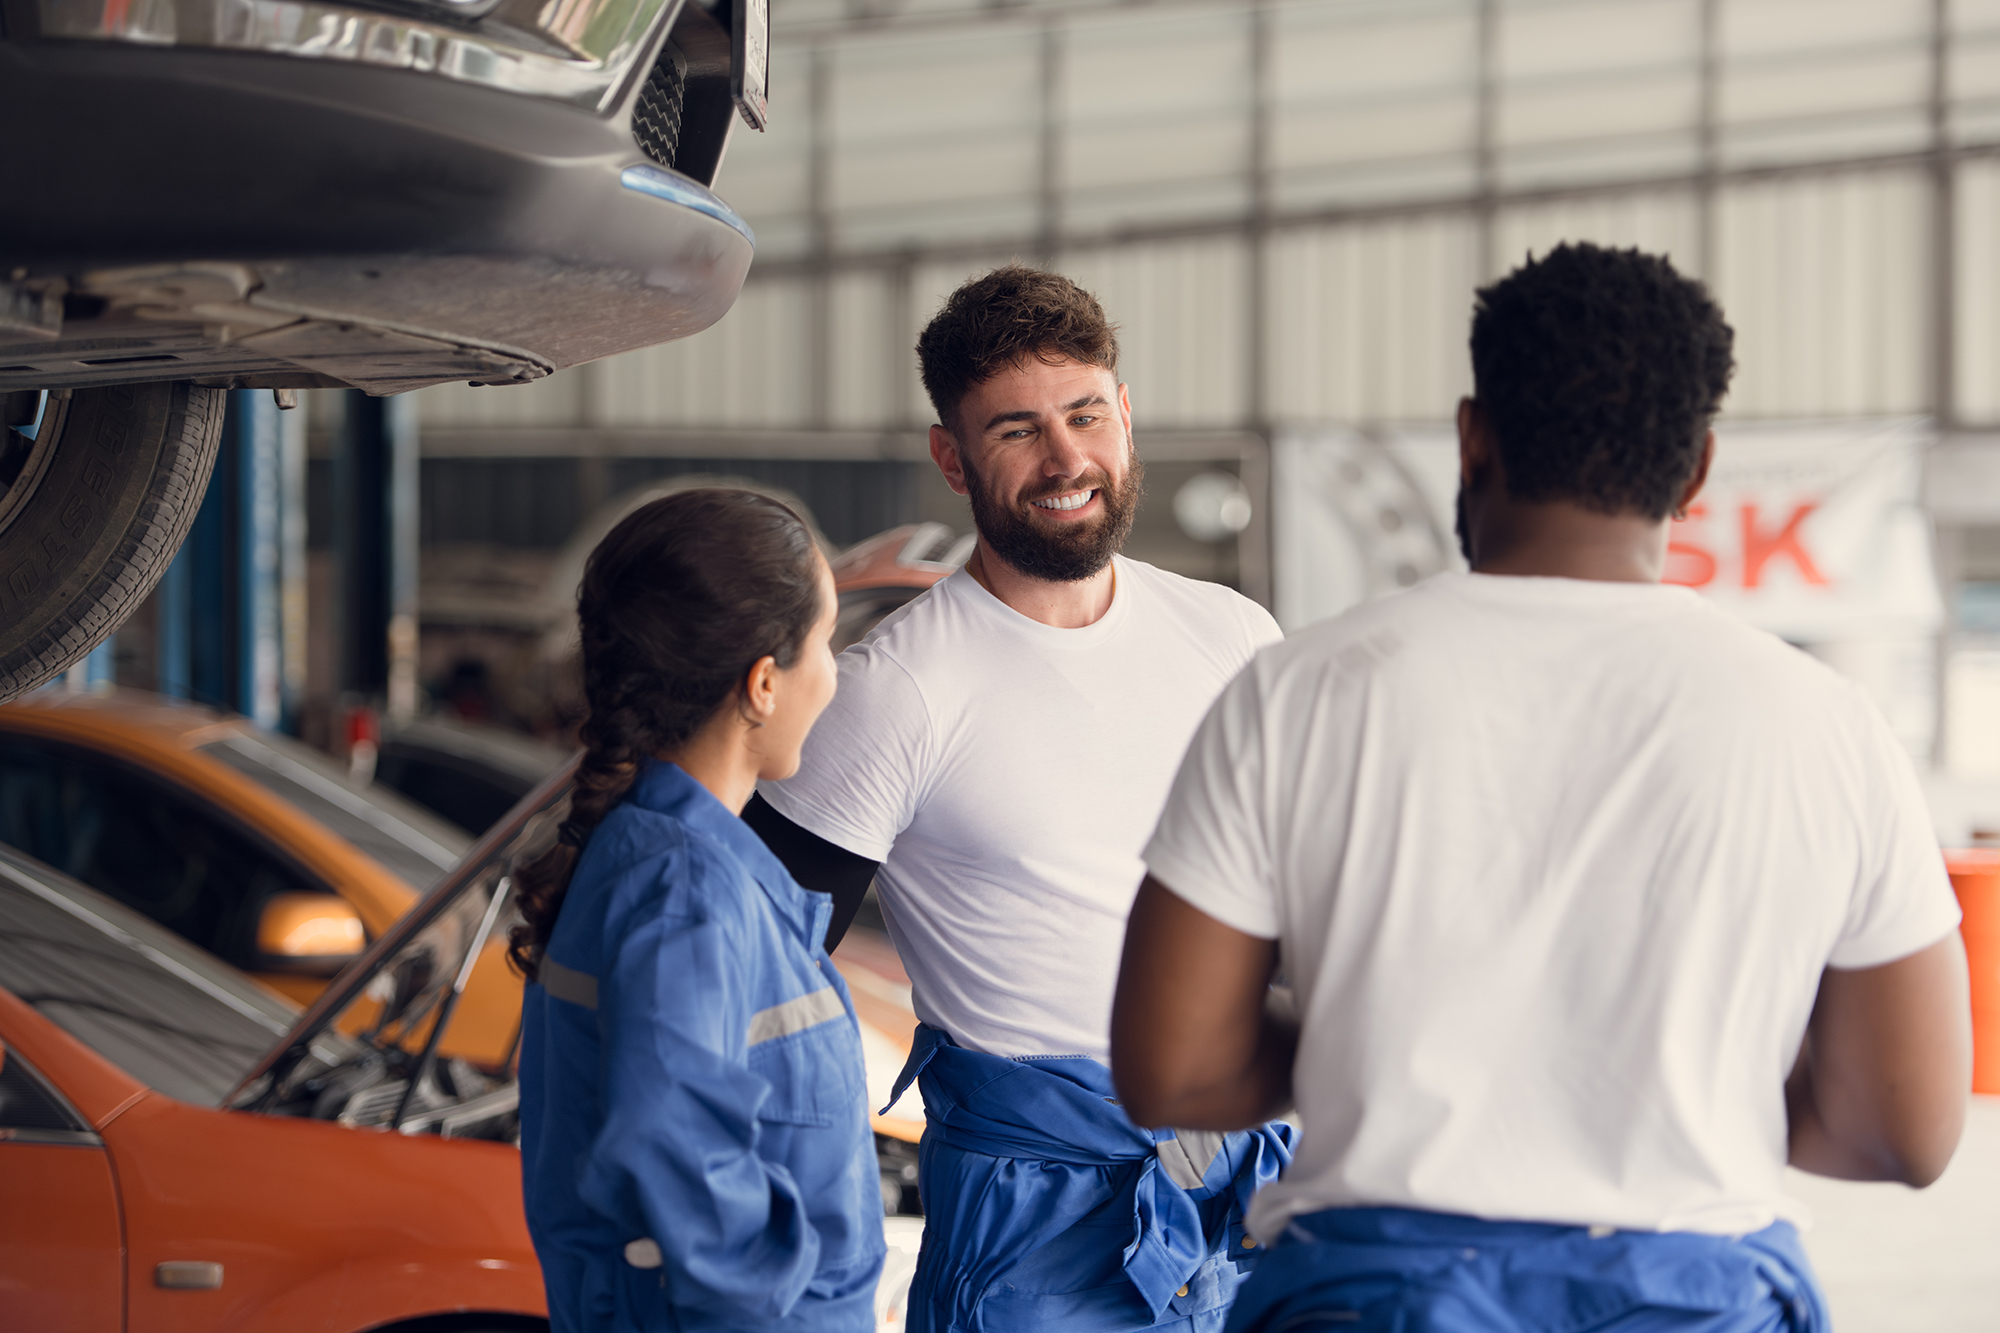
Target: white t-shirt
[1555, 867]
[1006, 774]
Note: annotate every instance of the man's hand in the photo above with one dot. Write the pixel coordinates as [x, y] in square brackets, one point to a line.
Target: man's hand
[1192, 1046]
[1880, 1088]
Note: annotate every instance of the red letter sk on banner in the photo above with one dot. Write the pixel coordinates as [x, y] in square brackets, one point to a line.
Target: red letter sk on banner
[1692, 564]
[1758, 548]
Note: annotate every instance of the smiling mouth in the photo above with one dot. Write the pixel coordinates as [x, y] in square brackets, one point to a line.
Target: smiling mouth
[1065, 503]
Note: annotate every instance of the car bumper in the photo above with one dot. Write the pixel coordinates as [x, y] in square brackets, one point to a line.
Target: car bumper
[259, 221]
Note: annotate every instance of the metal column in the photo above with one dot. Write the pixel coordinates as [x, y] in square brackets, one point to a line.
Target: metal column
[291, 566]
[259, 648]
[218, 606]
[375, 550]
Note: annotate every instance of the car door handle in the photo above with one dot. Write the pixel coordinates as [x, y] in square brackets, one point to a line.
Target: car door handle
[187, 1275]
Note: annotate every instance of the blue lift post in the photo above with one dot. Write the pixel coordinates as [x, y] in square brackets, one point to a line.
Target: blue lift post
[221, 637]
[97, 672]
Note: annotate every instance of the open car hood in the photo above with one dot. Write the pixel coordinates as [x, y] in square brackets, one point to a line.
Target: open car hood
[376, 1047]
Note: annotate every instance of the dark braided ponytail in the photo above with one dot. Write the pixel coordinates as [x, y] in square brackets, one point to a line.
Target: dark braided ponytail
[678, 602]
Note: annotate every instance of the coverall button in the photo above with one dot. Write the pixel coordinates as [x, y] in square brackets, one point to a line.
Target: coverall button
[643, 1253]
[1182, 1291]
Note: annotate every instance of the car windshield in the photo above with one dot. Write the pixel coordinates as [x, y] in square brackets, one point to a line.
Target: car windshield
[411, 1057]
[160, 1009]
[415, 845]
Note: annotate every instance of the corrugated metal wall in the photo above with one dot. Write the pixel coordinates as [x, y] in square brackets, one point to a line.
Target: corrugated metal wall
[1826, 279]
[1368, 321]
[1976, 362]
[915, 149]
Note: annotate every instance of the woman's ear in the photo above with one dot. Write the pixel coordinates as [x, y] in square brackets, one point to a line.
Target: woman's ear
[760, 691]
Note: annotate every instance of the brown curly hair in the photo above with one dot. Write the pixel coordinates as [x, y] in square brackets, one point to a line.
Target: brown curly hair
[1002, 319]
[678, 602]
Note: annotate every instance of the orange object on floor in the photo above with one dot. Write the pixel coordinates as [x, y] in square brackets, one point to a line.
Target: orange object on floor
[1976, 876]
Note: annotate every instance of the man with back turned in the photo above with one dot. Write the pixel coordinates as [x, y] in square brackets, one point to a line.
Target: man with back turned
[1598, 906]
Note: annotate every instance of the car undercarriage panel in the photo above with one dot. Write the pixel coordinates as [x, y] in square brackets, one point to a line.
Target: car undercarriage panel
[353, 321]
[257, 221]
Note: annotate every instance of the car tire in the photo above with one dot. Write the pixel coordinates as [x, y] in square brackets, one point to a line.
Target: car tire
[95, 505]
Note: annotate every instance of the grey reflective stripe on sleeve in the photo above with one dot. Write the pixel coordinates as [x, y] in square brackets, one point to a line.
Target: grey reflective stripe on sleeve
[781, 1020]
[566, 983]
[1187, 1156]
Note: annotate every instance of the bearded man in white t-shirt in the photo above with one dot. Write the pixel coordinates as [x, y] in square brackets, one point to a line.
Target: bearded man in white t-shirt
[994, 759]
[1597, 905]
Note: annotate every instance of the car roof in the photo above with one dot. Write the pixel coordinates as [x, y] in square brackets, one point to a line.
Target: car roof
[205, 749]
[522, 757]
[184, 724]
[898, 559]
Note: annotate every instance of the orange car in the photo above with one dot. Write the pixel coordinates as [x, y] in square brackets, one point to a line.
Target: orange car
[132, 1198]
[261, 851]
[880, 573]
[253, 846]
[182, 1150]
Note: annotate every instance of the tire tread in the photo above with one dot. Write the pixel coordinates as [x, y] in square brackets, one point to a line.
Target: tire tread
[138, 561]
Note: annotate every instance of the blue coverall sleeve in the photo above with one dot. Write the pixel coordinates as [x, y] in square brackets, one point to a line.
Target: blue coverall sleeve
[678, 1156]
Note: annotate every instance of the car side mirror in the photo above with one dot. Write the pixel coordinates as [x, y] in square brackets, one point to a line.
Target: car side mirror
[314, 933]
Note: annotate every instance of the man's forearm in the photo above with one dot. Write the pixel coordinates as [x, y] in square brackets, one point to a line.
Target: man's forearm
[1882, 1079]
[1260, 1093]
[1813, 1147]
[1194, 1044]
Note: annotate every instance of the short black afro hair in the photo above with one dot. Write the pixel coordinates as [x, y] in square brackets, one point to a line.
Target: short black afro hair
[1599, 372]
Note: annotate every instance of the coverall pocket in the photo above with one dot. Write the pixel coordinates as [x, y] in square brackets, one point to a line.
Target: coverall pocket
[810, 1081]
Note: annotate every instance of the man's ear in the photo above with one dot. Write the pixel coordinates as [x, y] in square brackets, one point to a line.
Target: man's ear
[1475, 442]
[1125, 409]
[1700, 478]
[944, 452]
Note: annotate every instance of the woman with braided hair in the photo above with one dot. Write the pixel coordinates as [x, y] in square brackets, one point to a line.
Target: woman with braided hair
[694, 1138]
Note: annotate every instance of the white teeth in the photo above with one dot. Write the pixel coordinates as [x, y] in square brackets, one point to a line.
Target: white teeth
[1075, 501]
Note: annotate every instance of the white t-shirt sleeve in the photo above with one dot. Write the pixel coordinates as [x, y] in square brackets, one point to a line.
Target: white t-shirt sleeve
[1261, 626]
[866, 760]
[1903, 900]
[1211, 846]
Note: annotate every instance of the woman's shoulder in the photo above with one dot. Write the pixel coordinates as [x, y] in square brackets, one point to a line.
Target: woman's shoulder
[653, 862]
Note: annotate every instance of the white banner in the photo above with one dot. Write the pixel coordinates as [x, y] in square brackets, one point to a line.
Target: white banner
[1814, 533]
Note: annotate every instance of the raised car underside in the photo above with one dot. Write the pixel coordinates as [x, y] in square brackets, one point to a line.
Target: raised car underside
[239, 208]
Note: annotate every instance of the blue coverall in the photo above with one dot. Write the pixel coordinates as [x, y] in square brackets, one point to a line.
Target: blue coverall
[1046, 1208]
[1394, 1270]
[695, 1149]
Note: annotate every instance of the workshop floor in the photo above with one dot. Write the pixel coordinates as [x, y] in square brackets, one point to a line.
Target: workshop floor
[1906, 1261]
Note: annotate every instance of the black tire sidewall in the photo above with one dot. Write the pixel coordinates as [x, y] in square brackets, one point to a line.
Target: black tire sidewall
[121, 486]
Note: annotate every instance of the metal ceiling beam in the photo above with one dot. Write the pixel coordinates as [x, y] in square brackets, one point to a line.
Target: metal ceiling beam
[1241, 224]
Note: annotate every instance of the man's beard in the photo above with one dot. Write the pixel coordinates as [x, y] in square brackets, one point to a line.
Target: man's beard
[1069, 554]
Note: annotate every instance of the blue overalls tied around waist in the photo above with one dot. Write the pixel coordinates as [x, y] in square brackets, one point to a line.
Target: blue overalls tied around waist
[1015, 1155]
[1392, 1270]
